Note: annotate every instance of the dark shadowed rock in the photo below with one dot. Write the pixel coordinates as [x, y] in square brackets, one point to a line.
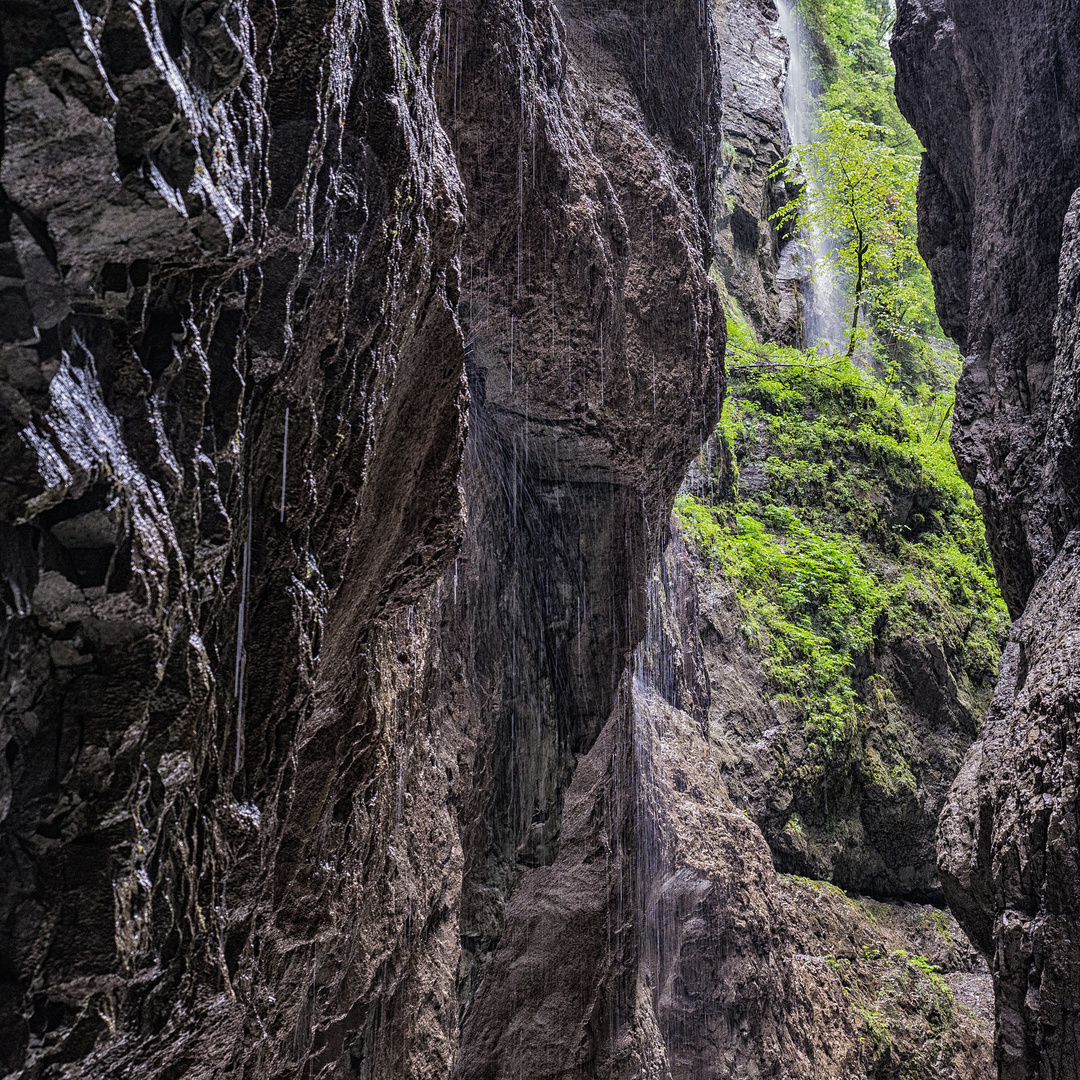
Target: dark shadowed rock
[992, 92]
[212, 215]
[1008, 837]
[660, 942]
[259, 726]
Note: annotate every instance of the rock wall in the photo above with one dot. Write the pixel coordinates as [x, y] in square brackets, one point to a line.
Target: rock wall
[868, 824]
[271, 752]
[595, 349]
[352, 356]
[660, 942]
[992, 92]
[234, 417]
[754, 59]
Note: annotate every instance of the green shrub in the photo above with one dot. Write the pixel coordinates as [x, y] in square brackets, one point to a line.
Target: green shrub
[862, 533]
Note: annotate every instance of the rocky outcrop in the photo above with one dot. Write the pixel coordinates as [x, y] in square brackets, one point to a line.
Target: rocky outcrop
[335, 743]
[867, 824]
[234, 416]
[1008, 839]
[992, 92]
[754, 61]
[595, 338]
[660, 942]
[270, 751]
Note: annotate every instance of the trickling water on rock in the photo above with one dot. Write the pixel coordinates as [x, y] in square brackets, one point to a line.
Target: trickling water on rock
[806, 263]
[263, 268]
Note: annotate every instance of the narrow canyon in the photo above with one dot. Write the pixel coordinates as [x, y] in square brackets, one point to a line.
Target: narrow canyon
[367, 711]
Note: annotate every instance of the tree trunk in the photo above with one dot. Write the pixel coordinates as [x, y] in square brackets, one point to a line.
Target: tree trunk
[855, 308]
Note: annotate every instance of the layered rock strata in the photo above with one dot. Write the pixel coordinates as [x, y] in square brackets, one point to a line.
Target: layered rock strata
[992, 91]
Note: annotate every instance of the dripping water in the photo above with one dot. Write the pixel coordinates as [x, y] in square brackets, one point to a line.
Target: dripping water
[241, 652]
[284, 462]
[808, 259]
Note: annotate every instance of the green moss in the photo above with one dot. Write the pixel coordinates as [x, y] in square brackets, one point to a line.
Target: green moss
[875, 1033]
[934, 997]
[941, 921]
[857, 532]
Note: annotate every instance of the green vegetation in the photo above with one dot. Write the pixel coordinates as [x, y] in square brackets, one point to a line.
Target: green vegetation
[941, 922]
[914, 978]
[848, 528]
[845, 527]
[865, 163]
[863, 200]
[909, 1023]
[853, 64]
[875, 1033]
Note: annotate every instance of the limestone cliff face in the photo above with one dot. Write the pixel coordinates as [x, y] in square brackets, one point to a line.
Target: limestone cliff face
[754, 61]
[594, 364]
[234, 413]
[661, 943]
[272, 754]
[992, 91]
[353, 698]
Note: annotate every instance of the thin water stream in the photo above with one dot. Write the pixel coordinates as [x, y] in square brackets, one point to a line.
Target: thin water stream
[808, 260]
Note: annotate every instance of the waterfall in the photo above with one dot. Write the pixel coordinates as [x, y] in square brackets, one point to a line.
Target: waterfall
[807, 261]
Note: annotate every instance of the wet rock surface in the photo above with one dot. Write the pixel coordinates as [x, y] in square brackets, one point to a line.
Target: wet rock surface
[260, 726]
[754, 59]
[661, 942]
[205, 600]
[1007, 839]
[997, 223]
[331, 746]
[197, 604]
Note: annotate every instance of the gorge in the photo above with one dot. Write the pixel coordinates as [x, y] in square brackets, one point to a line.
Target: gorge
[367, 712]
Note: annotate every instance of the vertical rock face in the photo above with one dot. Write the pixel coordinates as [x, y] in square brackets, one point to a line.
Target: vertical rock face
[660, 943]
[754, 58]
[1007, 838]
[587, 141]
[992, 92]
[215, 217]
[271, 754]
[337, 744]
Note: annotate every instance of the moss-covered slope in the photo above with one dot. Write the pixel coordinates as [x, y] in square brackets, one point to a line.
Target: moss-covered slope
[864, 592]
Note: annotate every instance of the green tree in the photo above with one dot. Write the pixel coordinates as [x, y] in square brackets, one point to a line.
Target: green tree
[860, 194]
